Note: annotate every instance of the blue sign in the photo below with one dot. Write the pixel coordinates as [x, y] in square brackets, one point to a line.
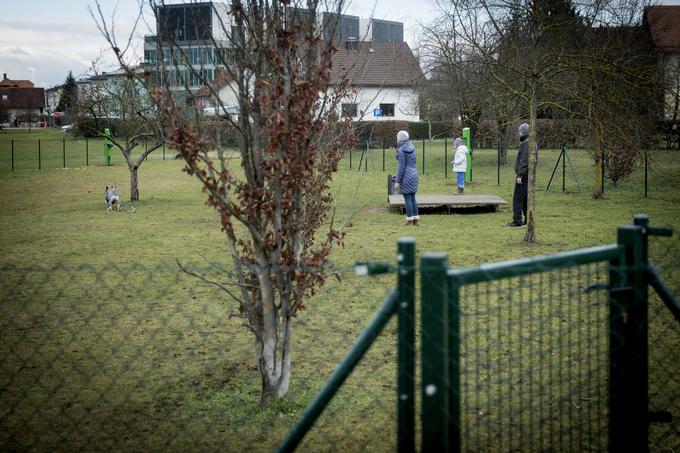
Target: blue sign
[377, 112]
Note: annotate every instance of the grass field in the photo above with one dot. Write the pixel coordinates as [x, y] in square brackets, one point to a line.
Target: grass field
[106, 346]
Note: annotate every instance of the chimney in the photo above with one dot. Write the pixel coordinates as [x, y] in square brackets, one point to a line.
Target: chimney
[4, 76]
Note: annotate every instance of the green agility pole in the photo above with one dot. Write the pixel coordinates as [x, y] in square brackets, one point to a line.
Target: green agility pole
[107, 146]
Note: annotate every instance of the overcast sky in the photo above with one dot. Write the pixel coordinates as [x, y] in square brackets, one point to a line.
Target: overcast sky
[41, 40]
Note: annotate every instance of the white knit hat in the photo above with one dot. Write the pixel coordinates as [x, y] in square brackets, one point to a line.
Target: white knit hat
[402, 136]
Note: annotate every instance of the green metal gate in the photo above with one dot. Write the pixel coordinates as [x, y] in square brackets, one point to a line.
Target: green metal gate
[544, 353]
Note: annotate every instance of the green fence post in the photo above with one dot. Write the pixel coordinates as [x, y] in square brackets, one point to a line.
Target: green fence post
[454, 409]
[423, 156]
[383, 143]
[499, 144]
[602, 179]
[12, 154]
[645, 174]
[406, 252]
[628, 359]
[163, 150]
[39, 165]
[366, 160]
[446, 157]
[63, 152]
[350, 159]
[564, 168]
[87, 152]
[435, 379]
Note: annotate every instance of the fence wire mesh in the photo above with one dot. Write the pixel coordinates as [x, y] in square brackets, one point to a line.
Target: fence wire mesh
[534, 368]
[140, 357]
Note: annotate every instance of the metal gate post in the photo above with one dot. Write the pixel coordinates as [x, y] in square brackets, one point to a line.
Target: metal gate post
[406, 252]
[628, 361]
[454, 364]
[434, 344]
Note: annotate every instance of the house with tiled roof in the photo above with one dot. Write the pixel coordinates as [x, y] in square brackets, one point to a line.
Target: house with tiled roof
[220, 97]
[663, 25]
[384, 77]
[21, 102]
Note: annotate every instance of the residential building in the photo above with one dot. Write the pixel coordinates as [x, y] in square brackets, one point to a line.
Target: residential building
[663, 25]
[191, 44]
[384, 77]
[378, 30]
[21, 102]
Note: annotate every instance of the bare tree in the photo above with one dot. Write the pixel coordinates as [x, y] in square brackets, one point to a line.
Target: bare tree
[545, 58]
[276, 209]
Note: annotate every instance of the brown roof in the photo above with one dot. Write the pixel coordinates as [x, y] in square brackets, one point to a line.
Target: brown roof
[22, 98]
[7, 83]
[387, 64]
[663, 23]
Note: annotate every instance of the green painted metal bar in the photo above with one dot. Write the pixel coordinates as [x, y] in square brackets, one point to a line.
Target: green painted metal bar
[363, 343]
[350, 159]
[434, 358]
[39, 164]
[564, 169]
[12, 154]
[559, 158]
[423, 156]
[455, 427]
[87, 152]
[664, 292]
[163, 151]
[406, 352]
[628, 386]
[446, 157]
[383, 148]
[645, 174]
[366, 160]
[63, 152]
[515, 268]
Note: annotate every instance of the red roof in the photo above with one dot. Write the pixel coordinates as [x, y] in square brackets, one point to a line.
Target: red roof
[7, 83]
[663, 24]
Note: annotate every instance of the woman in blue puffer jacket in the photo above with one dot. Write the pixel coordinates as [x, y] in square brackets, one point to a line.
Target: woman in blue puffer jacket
[407, 176]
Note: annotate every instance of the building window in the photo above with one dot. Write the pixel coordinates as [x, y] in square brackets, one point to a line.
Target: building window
[4, 97]
[387, 109]
[349, 110]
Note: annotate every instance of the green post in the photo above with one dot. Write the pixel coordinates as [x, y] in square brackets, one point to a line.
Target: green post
[163, 150]
[645, 174]
[87, 152]
[564, 168]
[406, 252]
[107, 146]
[383, 143]
[423, 156]
[467, 139]
[454, 365]
[446, 157]
[434, 343]
[63, 151]
[12, 154]
[39, 164]
[350, 159]
[628, 350]
[366, 160]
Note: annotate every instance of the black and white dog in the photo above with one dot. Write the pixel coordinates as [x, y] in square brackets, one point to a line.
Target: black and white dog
[111, 196]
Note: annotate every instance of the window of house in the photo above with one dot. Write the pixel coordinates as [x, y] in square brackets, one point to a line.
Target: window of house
[387, 109]
[349, 110]
[4, 97]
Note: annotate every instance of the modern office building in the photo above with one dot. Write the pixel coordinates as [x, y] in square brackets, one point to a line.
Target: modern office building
[188, 35]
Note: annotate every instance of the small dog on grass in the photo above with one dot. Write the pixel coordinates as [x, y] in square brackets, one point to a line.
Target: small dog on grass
[111, 196]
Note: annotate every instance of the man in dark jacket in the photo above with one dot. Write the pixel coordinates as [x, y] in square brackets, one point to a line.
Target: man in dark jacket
[519, 197]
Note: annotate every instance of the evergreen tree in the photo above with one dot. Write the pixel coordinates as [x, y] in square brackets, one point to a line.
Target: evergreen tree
[69, 95]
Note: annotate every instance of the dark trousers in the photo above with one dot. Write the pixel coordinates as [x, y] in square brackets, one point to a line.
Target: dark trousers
[519, 202]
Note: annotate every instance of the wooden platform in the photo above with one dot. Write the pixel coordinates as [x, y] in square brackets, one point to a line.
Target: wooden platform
[450, 201]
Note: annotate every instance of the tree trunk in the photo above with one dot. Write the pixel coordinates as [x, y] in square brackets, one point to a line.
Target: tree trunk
[530, 235]
[597, 167]
[134, 184]
[274, 362]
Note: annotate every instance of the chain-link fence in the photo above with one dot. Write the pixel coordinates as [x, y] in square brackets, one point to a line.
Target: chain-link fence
[140, 357]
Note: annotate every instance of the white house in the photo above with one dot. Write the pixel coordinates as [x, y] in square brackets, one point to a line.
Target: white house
[383, 75]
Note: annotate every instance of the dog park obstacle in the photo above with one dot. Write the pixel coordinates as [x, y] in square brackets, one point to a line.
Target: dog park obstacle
[447, 202]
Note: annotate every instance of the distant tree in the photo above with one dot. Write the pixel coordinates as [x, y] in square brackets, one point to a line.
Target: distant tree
[124, 104]
[4, 115]
[69, 96]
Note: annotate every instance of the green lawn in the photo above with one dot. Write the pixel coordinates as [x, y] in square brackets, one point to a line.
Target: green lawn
[106, 346]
